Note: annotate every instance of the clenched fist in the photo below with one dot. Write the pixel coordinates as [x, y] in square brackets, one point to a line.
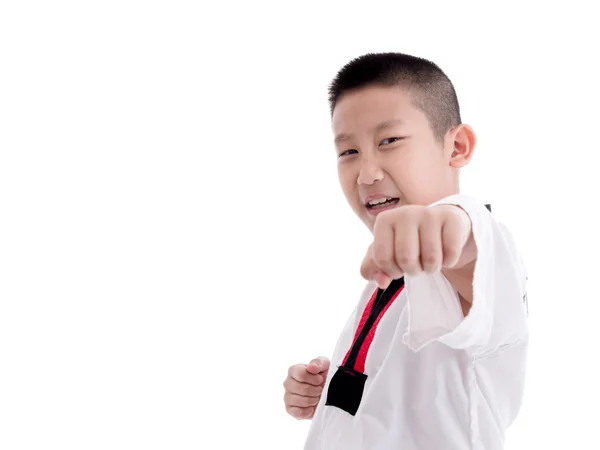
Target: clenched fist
[413, 240]
[303, 387]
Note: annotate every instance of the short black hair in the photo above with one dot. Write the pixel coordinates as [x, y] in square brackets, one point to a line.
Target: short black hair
[431, 90]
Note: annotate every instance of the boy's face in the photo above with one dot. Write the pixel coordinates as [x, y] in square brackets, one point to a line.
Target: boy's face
[386, 149]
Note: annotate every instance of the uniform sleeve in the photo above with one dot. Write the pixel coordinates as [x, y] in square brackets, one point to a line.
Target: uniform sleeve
[498, 315]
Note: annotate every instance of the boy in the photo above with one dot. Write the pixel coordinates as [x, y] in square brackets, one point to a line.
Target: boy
[433, 357]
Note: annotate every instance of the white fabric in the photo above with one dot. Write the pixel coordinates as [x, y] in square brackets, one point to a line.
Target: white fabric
[438, 380]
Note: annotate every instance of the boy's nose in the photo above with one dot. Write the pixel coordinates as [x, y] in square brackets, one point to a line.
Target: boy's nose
[370, 173]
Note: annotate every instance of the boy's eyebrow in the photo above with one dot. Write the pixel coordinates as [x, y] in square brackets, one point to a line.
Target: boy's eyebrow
[381, 126]
[341, 138]
[388, 124]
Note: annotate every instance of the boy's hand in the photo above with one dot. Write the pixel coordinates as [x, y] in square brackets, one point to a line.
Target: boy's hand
[413, 240]
[303, 387]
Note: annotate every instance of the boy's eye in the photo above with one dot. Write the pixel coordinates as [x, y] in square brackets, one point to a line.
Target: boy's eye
[348, 152]
[390, 140]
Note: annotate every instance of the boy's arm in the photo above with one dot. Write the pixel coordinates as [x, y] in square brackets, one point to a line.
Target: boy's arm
[461, 275]
[478, 304]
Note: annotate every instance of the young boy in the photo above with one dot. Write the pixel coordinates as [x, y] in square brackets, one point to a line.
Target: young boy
[434, 355]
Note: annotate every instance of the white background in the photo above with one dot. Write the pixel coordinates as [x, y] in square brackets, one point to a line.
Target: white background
[173, 235]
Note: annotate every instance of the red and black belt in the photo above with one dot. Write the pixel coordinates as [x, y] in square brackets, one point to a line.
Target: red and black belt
[348, 383]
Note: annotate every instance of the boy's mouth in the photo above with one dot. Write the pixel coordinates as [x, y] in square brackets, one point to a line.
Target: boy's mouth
[378, 205]
[382, 202]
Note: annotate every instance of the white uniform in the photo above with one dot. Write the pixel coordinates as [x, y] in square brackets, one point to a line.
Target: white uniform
[418, 374]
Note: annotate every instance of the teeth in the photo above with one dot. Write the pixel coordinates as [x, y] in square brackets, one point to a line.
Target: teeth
[379, 201]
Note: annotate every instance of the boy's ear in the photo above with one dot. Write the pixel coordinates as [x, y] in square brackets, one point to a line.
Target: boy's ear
[462, 144]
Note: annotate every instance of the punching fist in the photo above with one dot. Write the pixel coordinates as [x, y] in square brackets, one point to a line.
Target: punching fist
[414, 240]
[303, 387]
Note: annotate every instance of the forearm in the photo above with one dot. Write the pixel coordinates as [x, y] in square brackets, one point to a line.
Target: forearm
[461, 275]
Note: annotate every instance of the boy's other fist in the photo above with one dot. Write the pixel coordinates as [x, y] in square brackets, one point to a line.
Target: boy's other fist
[303, 387]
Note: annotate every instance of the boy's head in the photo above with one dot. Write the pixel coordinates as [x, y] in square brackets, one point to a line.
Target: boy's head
[398, 132]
